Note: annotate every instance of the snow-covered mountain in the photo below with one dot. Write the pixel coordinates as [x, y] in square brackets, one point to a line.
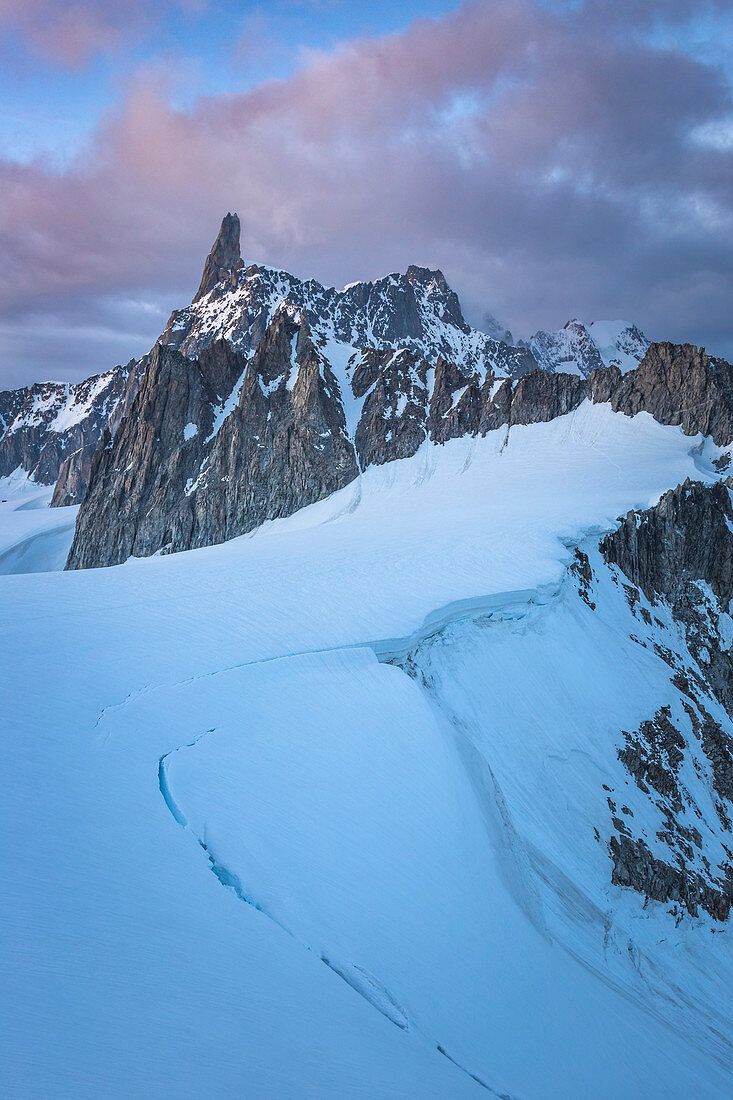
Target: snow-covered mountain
[579, 349]
[216, 445]
[423, 786]
[53, 427]
[51, 430]
[417, 311]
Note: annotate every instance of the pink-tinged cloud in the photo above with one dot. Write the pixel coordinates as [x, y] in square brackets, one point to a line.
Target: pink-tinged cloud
[72, 32]
[549, 169]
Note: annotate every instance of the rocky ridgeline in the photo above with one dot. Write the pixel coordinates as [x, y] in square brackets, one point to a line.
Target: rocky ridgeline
[267, 394]
[53, 428]
[679, 554]
[208, 453]
[416, 311]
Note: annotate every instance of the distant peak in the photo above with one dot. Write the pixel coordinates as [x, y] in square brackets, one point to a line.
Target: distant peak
[224, 256]
[415, 274]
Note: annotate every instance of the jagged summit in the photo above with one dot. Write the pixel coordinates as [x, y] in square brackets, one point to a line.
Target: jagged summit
[414, 313]
[579, 348]
[225, 255]
[416, 310]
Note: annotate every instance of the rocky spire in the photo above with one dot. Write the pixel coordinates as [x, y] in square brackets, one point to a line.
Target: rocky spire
[224, 256]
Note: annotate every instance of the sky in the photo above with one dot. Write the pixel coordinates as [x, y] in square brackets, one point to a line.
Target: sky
[555, 158]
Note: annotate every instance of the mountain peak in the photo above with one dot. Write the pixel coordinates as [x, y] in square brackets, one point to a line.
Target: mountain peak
[225, 255]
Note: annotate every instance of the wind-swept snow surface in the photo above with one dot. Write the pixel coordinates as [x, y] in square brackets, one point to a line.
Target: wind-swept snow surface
[246, 856]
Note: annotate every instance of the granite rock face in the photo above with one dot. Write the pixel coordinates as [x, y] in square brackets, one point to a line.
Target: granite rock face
[681, 551]
[539, 397]
[679, 384]
[224, 258]
[382, 405]
[634, 866]
[685, 538]
[393, 386]
[215, 446]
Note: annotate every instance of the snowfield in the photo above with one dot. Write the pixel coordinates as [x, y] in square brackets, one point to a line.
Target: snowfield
[33, 537]
[246, 855]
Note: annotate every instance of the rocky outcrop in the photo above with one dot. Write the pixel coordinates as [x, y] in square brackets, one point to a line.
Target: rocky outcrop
[456, 402]
[681, 551]
[686, 538]
[71, 484]
[539, 397]
[679, 554]
[676, 384]
[383, 404]
[54, 426]
[393, 387]
[464, 404]
[224, 258]
[634, 866]
[73, 476]
[215, 446]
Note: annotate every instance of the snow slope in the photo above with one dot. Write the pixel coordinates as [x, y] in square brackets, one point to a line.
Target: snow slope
[33, 537]
[244, 856]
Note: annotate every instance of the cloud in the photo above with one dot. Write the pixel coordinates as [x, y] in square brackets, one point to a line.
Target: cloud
[552, 166]
[72, 33]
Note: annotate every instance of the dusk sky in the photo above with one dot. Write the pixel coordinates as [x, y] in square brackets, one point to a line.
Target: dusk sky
[553, 159]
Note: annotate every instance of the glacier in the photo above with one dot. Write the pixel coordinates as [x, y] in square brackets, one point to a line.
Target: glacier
[311, 812]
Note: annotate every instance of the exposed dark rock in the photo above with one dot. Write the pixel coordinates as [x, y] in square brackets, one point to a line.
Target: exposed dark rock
[539, 397]
[670, 550]
[653, 755]
[393, 416]
[169, 480]
[686, 537]
[456, 402]
[634, 866]
[581, 569]
[73, 478]
[463, 405]
[225, 256]
[718, 746]
[603, 383]
[496, 404]
[676, 384]
[679, 554]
